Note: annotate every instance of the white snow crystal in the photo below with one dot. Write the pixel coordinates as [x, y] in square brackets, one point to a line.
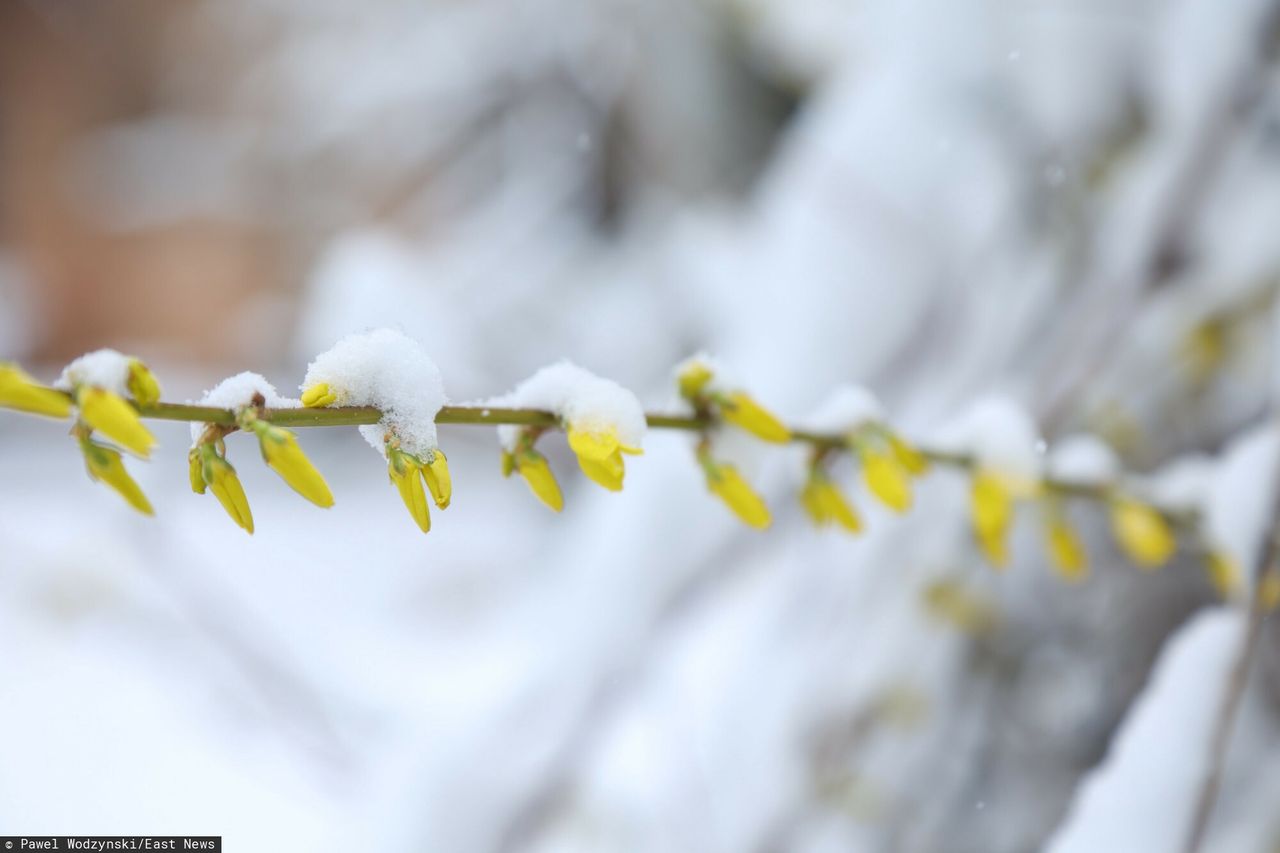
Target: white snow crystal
[1083, 460]
[104, 368]
[238, 391]
[1240, 495]
[386, 369]
[999, 434]
[844, 410]
[581, 399]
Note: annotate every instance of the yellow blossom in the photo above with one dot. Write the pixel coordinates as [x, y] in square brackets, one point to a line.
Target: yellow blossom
[222, 480]
[404, 473]
[20, 391]
[1142, 533]
[109, 414]
[693, 379]
[825, 504]
[533, 467]
[1223, 573]
[725, 481]
[599, 455]
[142, 384]
[318, 396]
[885, 477]
[1066, 551]
[991, 509]
[282, 454]
[739, 409]
[440, 484]
[607, 472]
[106, 464]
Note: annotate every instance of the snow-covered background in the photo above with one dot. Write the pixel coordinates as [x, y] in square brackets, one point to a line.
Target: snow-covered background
[1069, 205]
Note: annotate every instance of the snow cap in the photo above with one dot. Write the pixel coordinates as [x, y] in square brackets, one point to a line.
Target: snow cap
[386, 369]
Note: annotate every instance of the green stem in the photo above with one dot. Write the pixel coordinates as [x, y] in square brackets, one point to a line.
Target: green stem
[499, 415]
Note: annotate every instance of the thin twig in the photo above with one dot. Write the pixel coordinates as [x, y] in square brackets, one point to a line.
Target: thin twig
[1233, 690]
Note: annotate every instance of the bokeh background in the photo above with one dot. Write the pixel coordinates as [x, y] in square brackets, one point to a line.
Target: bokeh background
[1070, 203]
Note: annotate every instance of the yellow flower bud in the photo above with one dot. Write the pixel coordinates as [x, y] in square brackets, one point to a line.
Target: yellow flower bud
[1269, 590]
[886, 478]
[404, 473]
[950, 603]
[225, 484]
[110, 415]
[1223, 573]
[282, 454]
[908, 456]
[1066, 551]
[318, 396]
[991, 509]
[693, 380]
[825, 504]
[22, 392]
[142, 384]
[533, 466]
[508, 463]
[105, 464]
[195, 471]
[725, 481]
[739, 409]
[1142, 533]
[436, 473]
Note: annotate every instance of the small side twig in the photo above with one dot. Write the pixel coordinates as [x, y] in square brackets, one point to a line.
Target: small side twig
[1232, 696]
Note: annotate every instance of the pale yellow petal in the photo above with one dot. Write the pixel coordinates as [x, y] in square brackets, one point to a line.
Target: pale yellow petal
[408, 482]
[439, 482]
[596, 445]
[607, 472]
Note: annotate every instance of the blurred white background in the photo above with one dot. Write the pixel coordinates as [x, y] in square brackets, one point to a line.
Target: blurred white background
[1072, 204]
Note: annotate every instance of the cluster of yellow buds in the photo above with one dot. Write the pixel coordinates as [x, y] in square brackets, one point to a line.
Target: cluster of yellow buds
[209, 469]
[408, 472]
[598, 448]
[888, 464]
[698, 385]
[94, 382]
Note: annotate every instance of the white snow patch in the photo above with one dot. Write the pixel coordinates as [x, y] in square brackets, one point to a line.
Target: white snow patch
[104, 368]
[844, 410]
[1241, 494]
[1084, 460]
[238, 391]
[999, 434]
[1142, 796]
[581, 399]
[386, 369]
[1180, 486]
